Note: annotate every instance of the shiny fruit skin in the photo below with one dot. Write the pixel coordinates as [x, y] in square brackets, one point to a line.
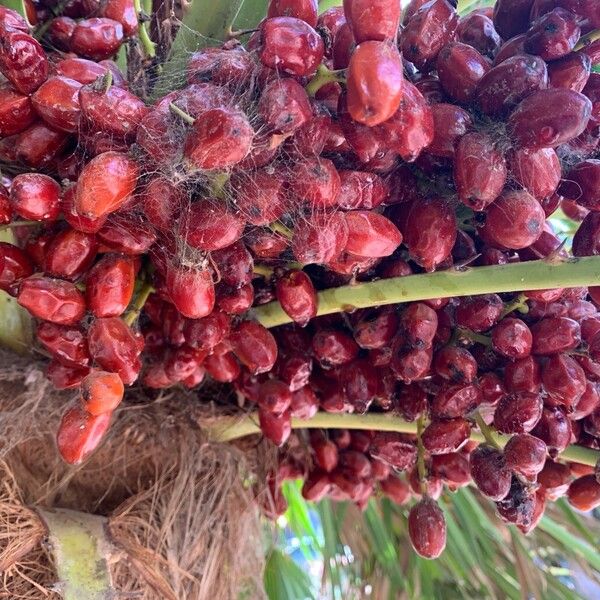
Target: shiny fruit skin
[430, 232]
[432, 26]
[57, 102]
[109, 285]
[571, 71]
[274, 396]
[460, 67]
[122, 11]
[548, 118]
[305, 403]
[290, 45]
[554, 429]
[127, 233]
[511, 17]
[374, 82]
[372, 19]
[512, 338]
[221, 138]
[80, 69]
[297, 296]
[455, 401]
[509, 82]
[105, 184]
[15, 265]
[70, 254]
[22, 61]
[489, 472]
[39, 144]
[192, 290]
[254, 346]
[276, 428]
[210, 225]
[284, 106]
[316, 182]
[392, 449]
[68, 345]
[35, 197]
[515, 220]
[115, 348]
[97, 38]
[477, 30]
[320, 238]
[582, 184]
[518, 413]
[162, 202]
[584, 493]
[553, 335]
[479, 170]
[101, 392]
[16, 111]
[360, 190]
[411, 128]
[427, 528]
[80, 433]
[333, 348]
[371, 234]
[52, 300]
[442, 437]
[564, 380]
[553, 35]
[450, 124]
[538, 171]
[525, 454]
[306, 10]
[115, 111]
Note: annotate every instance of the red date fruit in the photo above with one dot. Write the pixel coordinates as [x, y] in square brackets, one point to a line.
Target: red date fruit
[16, 111]
[571, 72]
[297, 296]
[80, 69]
[411, 128]
[97, 38]
[523, 375]
[477, 30]
[115, 348]
[35, 197]
[63, 377]
[320, 238]
[538, 171]
[68, 345]
[80, 433]
[333, 348]
[374, 82]
[511, 17]
[109, 285]
[254, 346]
[274, 396]
[430, 232]
[514, 221]
[38, 145]
[290, 45]
[479, 170]
[276, 428]
[371, 234]
[427, 528]
[564, 380]
[224, 67]
[587, 403]
[305, 403]
[376, 330]
[553, 35]
[478, 313]
[396, 489]
[220, 139]
[554, 429]
[442, 437]
[587, 238]
[105, 184]
[316, 182]
[459, 68]
[52, 300]
[57, 102]
[489, 472]
[512, 338]
[372, 19]
[455, 364]
[192, 290]
[509, 82]
[22, 61]
[450, 124]
[210, 225]
[584, 493]
[411, 365]
[419, 323]
[11, 19]
[432, 26]
[14, 265]
[518, 413]
[223, 368]
[127, 234]
[554, 479]
[162, 202]
[455, 401]
[306, 10]
[101, 392]
[70, 254]
[392, 449]
[554, 335]
[548, 118]
[284, 106]
[360, 190]
[122, 11]
[525, 454]
[115, 111]
[582, 184]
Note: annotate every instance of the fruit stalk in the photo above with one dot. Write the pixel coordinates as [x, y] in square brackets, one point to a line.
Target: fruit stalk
[147, 43]
[226, 429]
[515, 277]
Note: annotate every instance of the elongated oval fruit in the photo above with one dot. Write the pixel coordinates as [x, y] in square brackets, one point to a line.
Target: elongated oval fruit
[101, 392]
[80, 433]
[427, 528]
[297, 296]
[191, 290]
[374, 82]
[373, 19]
[105, 184]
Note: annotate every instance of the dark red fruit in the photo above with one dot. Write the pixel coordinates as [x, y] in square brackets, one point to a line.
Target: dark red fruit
[553, 35]
[518, 413]
[441, 437]
[584, 493]
[512, 338]
[489, 472]
[22, 61]
[97, 38]
[427, 528]
[554, 335]
[80, 433]
[525, 454]
[52, 300]
[478, 313]
[254, 346]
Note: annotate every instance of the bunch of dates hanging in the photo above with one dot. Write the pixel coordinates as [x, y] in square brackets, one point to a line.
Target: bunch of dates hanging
[366, 142]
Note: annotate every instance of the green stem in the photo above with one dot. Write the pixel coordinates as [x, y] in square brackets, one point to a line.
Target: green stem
[587, 39]
[322, 77]
[225, 429]
[281, 229]
[263, 270]
[181, 113]
[519, 303]
[486, 431]
[515, 277]
[472, 336]
[147, 43]
[138, 305]
[421, 454]
[14, 224]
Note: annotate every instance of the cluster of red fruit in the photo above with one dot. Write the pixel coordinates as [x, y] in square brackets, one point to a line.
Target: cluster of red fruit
[332, 148]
